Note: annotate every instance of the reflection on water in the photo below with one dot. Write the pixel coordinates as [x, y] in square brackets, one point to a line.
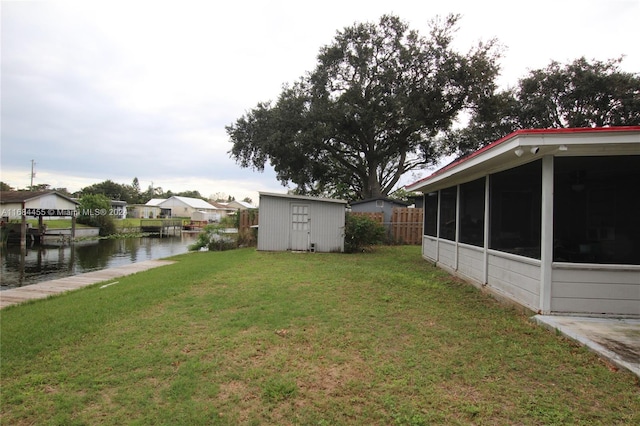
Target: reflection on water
[43, 263]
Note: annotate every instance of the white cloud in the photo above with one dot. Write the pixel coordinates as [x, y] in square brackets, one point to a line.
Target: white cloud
[96, 90]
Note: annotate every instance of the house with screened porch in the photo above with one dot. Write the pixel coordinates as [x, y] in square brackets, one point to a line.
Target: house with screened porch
[548, 219]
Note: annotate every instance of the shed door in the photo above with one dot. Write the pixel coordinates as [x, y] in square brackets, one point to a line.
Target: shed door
[300, 227]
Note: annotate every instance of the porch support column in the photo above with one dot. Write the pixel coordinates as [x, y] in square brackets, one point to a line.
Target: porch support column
[546, 237]
[438, 228]
[457, 231]
[486, 230]
[23, 228]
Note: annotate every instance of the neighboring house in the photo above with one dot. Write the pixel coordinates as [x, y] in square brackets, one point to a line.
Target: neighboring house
[224, 209]
[546, 218]
[144, 211]
[118, 209]
[416, 201]
[20, 205]
[297, 223]
[193, 208]
[239, 205]
[155, 202]
[38, 204]
[378, 205]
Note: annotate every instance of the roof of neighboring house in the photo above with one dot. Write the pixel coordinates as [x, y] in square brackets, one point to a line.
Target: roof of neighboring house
[240, 204]
[222, 206]
[195, 203]
[155, 202]
[387, 199]
[302, 197]
[7, 197]
[527, 145]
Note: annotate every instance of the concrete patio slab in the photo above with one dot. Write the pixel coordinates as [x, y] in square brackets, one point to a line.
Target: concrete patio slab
[615, 339]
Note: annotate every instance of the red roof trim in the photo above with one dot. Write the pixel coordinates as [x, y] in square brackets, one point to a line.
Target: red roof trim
[527, 132]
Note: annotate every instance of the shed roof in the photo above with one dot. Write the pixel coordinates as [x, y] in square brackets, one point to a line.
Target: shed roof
[302, 197]
[387, 199]
[524, 146]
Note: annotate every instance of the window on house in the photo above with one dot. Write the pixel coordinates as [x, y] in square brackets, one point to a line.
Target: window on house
[448, 213]
[472, 212]
[431, 214]
[379, 203]
[515, 210]
[597, 210]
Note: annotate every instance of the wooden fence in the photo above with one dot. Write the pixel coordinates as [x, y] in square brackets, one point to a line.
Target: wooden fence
[405, 226]
[378, 216]
[247, 236]
[248, 218]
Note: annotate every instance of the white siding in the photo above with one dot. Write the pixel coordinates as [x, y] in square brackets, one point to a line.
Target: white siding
[327, 226]
[588, 291]
[430, 248]
[471, 262]
[273, 230]
[49, 201]
[447, 254]
[516, 278]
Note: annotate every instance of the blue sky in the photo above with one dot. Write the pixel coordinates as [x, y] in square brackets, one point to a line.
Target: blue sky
[96, 90]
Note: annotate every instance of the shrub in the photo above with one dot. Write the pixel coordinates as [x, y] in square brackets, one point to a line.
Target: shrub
[214, 238]
[94, 211]
[361, 232]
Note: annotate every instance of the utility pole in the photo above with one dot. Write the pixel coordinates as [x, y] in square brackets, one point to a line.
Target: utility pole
[33, 173]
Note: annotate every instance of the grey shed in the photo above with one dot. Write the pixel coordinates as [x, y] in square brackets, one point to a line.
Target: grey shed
[299, 223]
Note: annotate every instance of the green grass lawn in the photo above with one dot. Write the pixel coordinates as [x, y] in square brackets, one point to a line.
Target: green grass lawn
[246, 337]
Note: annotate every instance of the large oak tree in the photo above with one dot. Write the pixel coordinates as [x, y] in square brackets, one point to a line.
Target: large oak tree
[576, 94]
[369, 112]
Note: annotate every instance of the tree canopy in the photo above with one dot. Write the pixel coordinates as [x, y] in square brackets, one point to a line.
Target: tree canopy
[577, 94]
[369, 112]
[132, 194]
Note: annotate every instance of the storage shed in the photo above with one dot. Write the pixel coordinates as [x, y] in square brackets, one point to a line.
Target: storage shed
[545, 218]
[382, 205]
[298, 223]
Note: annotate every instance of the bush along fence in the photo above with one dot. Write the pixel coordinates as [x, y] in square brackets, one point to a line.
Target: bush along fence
[405, 226]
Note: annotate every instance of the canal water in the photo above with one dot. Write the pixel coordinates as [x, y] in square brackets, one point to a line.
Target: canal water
[43, 263]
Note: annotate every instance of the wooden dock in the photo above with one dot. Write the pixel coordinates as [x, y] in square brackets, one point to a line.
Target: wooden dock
[163, 227]
[45, 289]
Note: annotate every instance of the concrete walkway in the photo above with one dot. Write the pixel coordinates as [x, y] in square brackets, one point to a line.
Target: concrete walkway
[45, 289]
[616, 340]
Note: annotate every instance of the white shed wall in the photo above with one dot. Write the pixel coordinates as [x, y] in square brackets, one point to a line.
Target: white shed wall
[274, 227]
[326, 225]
